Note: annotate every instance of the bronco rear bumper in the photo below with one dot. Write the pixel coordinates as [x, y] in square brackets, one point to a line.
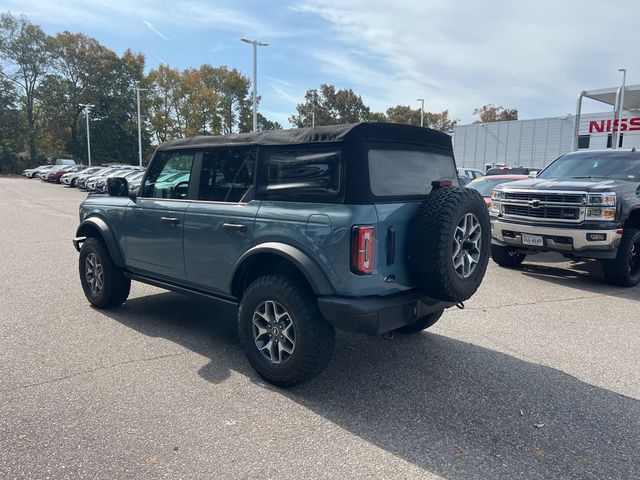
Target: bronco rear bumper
[374, 315]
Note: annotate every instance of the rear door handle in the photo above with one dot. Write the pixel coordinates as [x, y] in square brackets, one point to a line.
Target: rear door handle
[239, 227]
[170, 220]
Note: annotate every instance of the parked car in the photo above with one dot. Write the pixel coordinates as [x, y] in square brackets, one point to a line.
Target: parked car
[101, 182]
[359, 227]
[72, 177]
[485, 185]
[471, 173]
[43, 172]
[36, 171]
[583, 205]
[464, 180]
[510, 171]
[81, 181]
[45, 175]
[65, 161]
[55, 175]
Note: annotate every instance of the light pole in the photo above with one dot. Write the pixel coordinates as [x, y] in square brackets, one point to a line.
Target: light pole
[87, 108]
[255, 44]
[138, 89]
[313, 119]
[421, 100]
[621, 106]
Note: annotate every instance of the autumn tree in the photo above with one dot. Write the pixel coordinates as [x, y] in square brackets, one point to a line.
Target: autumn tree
[330, 107]
[411, 116]
[200, 101]
[491, 113]
[25, 58]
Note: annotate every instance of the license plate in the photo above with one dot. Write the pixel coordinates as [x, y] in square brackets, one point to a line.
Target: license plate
[534, 240]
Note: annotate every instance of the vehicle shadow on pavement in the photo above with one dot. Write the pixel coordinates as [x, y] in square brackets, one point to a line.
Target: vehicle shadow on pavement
[450, 407]
[205, 327]
[585, 275]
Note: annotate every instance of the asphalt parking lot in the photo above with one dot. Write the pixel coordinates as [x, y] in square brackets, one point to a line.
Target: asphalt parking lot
[537, 378]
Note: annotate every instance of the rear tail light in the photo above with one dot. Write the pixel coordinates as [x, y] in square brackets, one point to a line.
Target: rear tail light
[362, 250]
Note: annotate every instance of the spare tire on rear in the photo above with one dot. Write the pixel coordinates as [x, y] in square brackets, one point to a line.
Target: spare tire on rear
[450, 243]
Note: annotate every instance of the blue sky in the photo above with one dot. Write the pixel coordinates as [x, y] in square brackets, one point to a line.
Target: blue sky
[534, 56]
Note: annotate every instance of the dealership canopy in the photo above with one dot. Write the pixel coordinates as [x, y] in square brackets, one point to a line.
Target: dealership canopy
[620, 100]
[610, 96]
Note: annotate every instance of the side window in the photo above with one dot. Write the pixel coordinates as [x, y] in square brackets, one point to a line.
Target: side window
[168, 175]
[310, 172]
[227, 175]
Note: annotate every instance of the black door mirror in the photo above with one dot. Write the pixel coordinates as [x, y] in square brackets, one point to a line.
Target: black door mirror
[117, 187]
[133, 193]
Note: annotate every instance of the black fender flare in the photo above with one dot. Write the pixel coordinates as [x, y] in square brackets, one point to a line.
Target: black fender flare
[310, 269]
[92, 224]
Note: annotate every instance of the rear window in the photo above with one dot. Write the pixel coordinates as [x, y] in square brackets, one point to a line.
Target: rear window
[395, 173]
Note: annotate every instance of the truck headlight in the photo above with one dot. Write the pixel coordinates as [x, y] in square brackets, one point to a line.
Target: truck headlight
[497, 195]
[607, 199]
[601, 206]
[600, 213]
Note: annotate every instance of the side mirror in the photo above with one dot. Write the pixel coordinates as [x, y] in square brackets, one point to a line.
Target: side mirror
[117, 187]
[533, 174]
[133, 193]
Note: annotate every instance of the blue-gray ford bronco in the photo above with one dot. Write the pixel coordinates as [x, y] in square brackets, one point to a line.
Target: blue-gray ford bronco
[359, 227]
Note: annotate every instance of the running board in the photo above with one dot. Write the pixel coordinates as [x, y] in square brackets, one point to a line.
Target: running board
[179, 289]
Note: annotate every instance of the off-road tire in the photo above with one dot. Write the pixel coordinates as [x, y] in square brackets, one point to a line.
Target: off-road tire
[314, 337]
[506, 256]
[116, 286]
[624, 270]
[431, 244]
[422, 323]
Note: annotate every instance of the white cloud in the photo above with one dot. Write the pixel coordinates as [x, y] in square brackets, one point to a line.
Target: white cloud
[286, 96]
[536, 56]
[155, 30]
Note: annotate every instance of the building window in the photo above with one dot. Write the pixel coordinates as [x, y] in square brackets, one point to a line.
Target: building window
[610, 140]
[584, 141]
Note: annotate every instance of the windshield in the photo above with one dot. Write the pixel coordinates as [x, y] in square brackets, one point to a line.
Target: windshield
[609, 165]
[486, 185]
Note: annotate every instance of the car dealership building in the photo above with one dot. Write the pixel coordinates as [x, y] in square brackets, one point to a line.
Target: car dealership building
[537, 142]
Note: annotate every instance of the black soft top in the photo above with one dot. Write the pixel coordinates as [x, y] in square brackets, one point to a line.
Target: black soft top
[351, 132]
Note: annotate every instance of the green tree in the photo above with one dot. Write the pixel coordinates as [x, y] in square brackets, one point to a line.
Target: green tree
[165, 103]
[24, 52]
[331, 107]
[265, 124]
[12, 127]
[491, 113]
[84, 71]
[377, 117]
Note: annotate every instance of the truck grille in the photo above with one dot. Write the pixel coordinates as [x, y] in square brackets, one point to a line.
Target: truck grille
[558, 213]
[551, 206]
[546, 197]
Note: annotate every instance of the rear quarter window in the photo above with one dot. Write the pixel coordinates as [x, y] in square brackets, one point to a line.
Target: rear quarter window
[394, 173]
[304, 172]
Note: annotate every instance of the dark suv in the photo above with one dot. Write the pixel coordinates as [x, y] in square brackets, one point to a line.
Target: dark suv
[360, 227]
